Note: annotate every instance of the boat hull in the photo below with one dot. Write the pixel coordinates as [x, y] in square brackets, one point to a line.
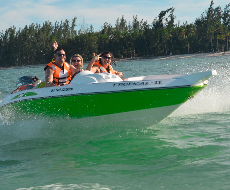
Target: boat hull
[143, 106]
[107, 99]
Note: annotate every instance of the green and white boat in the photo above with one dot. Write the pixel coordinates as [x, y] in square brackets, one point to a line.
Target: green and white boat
[106, 98]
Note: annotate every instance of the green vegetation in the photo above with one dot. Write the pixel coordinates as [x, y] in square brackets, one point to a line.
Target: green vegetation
[33, 44]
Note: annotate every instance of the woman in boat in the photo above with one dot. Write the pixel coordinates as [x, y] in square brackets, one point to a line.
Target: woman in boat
[77, 61]
[102, 64]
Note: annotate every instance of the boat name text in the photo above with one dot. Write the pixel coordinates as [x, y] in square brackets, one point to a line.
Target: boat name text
[61, 89]
[137, 83]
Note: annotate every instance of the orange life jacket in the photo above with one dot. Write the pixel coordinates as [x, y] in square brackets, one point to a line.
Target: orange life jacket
[61, 76]
[103, 69]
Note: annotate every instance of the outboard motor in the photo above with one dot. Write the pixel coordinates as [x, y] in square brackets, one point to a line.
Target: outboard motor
[26, 82]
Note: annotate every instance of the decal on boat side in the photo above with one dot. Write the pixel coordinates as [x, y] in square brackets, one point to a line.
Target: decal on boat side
[18, 96]
[61, 89]
[138, 83]
[24, 95]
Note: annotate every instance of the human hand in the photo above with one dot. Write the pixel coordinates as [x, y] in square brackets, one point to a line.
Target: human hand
[55, 45]
[96, 58]
[120, 74]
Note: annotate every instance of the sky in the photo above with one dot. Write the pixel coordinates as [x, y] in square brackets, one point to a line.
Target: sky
[19, 13]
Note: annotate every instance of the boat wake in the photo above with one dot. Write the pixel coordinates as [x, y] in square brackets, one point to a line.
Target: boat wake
[72, 186]
[58, 131]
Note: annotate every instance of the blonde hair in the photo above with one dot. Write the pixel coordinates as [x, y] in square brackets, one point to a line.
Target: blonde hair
[77, 55]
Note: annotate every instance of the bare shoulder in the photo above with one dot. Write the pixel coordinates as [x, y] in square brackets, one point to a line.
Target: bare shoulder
[49, 71]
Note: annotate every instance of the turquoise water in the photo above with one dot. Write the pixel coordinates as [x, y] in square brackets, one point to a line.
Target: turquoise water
[187, 150]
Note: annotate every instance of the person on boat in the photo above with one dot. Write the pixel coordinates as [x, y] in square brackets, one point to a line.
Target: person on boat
[58, 72]
[76, 60]
[102, 64]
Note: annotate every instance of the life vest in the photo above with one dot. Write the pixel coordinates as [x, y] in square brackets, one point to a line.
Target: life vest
[61, 76]
[103, 69]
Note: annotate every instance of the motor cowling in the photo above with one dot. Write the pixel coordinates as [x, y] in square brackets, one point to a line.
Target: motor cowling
[26, 83]
[26, 80]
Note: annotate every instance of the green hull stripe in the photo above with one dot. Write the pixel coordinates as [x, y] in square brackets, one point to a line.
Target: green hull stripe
[105, 92]
[103, 104]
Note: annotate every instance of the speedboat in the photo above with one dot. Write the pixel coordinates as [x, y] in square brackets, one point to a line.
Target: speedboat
[105, 98]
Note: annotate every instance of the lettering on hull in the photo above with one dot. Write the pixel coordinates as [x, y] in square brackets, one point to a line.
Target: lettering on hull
[61, 89]
[137, 83]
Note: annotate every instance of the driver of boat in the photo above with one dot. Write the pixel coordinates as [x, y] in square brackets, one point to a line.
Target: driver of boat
[102, 64]
[58, 72]
[76, 60]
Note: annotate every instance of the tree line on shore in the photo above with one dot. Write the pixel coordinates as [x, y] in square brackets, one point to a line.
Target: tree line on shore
[33, 44]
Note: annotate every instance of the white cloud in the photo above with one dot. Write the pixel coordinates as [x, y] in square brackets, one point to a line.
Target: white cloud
[21, 13]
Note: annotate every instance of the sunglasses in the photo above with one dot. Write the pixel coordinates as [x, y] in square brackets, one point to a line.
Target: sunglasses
[76, 60]
[59, 54]
[105, 57]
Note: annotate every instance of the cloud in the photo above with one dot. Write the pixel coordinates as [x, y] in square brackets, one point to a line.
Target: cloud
[96, 13]
[189, 11]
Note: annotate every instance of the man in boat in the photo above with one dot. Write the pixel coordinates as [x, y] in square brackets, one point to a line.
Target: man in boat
[102, 64]
[76, 60]
[58, 72]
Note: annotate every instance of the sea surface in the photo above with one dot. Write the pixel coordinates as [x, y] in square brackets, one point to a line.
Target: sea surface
[190, 149]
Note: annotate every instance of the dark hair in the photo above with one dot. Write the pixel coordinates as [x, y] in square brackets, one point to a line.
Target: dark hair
[112, 57]
[58, 49]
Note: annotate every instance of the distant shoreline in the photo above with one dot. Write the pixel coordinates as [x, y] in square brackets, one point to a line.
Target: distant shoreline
[181, 56]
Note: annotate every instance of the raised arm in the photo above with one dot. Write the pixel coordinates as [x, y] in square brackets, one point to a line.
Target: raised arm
[91, 67]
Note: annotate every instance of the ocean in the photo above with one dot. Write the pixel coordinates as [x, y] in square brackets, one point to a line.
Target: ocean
[190, 149]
